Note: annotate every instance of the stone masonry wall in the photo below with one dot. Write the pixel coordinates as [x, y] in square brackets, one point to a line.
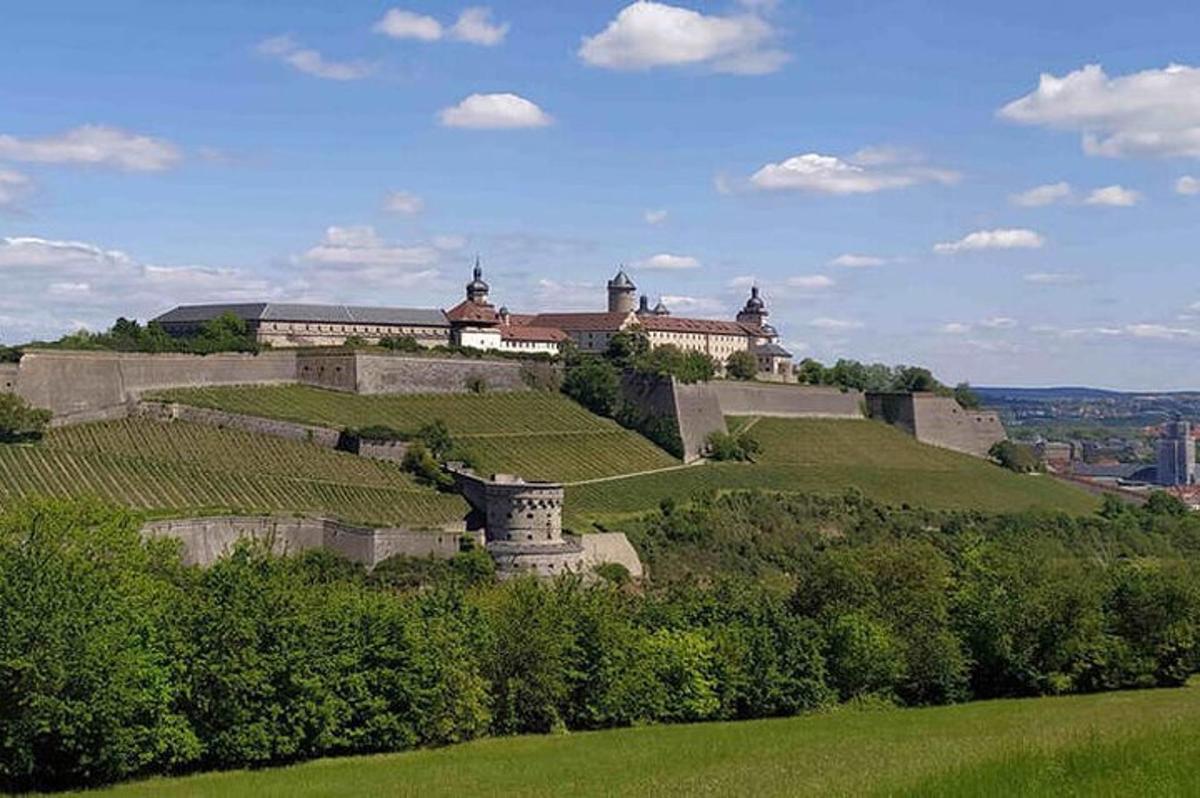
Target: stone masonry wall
[693, 408]
[85, 386]
[8, 377]
[404, 375]
[164, 411]
[793, 401]
[205, 540]
[939, 421]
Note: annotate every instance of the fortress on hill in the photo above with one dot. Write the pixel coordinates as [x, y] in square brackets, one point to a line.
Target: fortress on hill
[477, 323]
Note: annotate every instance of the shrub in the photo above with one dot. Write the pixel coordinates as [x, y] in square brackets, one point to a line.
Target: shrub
[20, 422]
[595, 384]
[742, 365]
[421, 463]
[400, 343]
[477, 383]
[1016, 457]
[737, 447]
[541, 376]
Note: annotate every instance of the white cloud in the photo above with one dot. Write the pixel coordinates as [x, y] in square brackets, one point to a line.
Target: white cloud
[954, 328]
[655, 216]
[828, 174]
[1155, 112]
[1114, 196]
[1053, 278]
[13, 186]
[667, 262]
[404, 202]
[1187, 185]
[310, 62]
[810, 282]
[1158, 331]
[361, 245]
[474, 26]
[650, 34]
[1042, 195]
[495, 112]
[992, 239]
[400, 24]
[852, 261]
[95, 145]
[998, 323]
[835, 325]
[689, 305]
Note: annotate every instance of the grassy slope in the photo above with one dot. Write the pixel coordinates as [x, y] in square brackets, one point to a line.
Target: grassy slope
[179, 469]
[824, 456]
[1133, 743]
[537, 435]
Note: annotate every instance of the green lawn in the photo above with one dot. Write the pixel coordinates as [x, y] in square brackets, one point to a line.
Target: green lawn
[827, 456]
[1134, 743]
[534, 434]
[181, 469]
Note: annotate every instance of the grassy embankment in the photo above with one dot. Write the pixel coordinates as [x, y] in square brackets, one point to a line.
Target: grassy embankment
[1135, 743]
[546, 436]
[181, 469]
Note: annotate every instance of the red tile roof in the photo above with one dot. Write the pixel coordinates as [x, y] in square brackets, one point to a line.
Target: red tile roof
[601, 322]
[685, 325]
[473, 312]
[528, 332]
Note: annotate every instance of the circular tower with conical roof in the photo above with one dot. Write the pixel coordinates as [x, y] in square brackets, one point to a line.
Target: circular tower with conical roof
[622, 293]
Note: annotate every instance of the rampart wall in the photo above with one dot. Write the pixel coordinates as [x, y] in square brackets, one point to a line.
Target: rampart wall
[85, 386]
[206, 540]
[693, 408]
[791, 401]
[398, 374]
[170, 411]
[939, 421]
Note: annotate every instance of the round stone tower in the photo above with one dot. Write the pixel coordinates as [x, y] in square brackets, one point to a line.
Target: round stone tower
[622, 293]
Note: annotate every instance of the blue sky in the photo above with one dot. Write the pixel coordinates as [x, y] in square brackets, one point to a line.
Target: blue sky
[154, 153]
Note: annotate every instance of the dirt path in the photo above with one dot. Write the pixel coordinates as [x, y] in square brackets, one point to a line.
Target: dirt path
[614, 477]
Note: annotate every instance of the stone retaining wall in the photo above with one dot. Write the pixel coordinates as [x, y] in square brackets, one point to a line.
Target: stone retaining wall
[205, 540]
[171, 411]
[790, 401]
[939, 421]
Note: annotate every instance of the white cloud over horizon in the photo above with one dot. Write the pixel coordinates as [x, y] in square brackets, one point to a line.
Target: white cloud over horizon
[828, 174]
[1039, 196]
[1113, 196]
[94, 145]
[303, 59]
[502, 111]
[1155, 112]
[667, 262]
[646, 34]
[853, 261]
[1187, 186]
[473, 26]
[1002, 238]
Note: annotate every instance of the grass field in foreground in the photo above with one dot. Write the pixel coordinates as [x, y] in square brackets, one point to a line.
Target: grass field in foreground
[827, 456]
[1134, 743]
[185, 469]
[535, 434]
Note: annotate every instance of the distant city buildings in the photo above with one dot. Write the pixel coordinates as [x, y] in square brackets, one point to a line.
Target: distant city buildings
[1176, 454]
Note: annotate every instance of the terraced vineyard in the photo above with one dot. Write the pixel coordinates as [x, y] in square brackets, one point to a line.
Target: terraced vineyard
[537, 435]
[825, 456]
[179, 469]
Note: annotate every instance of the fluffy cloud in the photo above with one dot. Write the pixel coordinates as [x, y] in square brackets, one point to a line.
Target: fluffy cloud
[954, 328]
[1042, 195]
[495, 112]
[692, 305]
[1155, 112]
[649, 34]
[998, 323]
[828, 174]
[91, 286]
[1187, 185]
[94, 145]
[852, 261]
[310, 62]
[1114, 196]
[13, 185]
[1053, 278]
[360, 245]
[403, 202]
[667, 262]
[835, 325]
[655, 216]
[810, 282]
[474, 26]
[992, 239]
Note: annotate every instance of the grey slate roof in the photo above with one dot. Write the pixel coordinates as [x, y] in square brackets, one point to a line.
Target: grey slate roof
[321, 314]
[772, 349]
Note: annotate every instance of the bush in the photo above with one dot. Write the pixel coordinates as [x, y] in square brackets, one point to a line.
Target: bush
[421, 463]
[1016, 457]
[476, 383]
[595, 384]
[19, 422]
[541, 376]
[400, 343]
[736, 447]
[742, 365]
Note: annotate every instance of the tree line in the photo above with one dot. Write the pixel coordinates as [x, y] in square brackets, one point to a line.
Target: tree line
[118, 661]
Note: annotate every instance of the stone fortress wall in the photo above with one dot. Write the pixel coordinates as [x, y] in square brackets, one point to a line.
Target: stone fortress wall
[205, 540]
[788, 401]
[939, 421]
[397, 374]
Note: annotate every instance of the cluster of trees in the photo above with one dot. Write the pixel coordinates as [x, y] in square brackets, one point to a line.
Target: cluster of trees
[738, 446]
[853, 375]
[225, 333]
[115, 660]
[20, 423]
[1018, 457]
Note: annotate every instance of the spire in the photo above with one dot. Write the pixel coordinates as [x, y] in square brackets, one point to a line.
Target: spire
[477, 289]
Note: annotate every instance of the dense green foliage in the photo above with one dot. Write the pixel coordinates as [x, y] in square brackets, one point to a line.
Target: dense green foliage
[630, 349]
[1114, 744]
[537, 434]
[853, 375]
[1018, 457]
[226, 333]
[736, 446]
[115, 660]
[19, 422]
[741, 365]
[178, 468]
